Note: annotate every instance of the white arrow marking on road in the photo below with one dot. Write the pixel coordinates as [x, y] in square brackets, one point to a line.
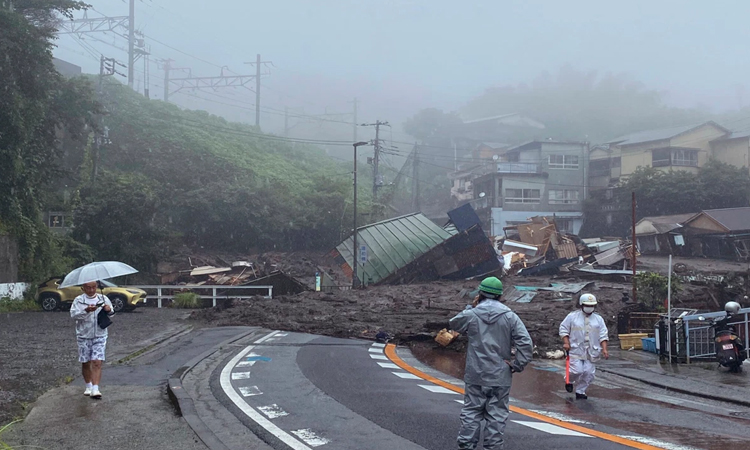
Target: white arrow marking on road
[255, 416]
[312, 439]
[282, 334]
[437, 389]
[374, 356]
[375, 350]
[549, 428]
[406, 376]
[249, 391]
[378, 345]
[240, 375]
[388, 365]
[245, 363]
[273, 411]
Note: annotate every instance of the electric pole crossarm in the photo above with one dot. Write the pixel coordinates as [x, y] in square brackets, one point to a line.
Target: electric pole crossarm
[98, 25]
[212, 82]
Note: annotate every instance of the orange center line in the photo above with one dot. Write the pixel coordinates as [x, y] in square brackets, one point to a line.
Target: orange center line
[390, 352]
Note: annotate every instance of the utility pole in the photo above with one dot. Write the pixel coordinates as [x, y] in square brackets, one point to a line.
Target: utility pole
[376, 160]
[355, 244]
[107, 68]
[415, 179]
[354, 126]
[257, 90]
[632, 256]
[131, 44]
[167, 68]
[257, 65]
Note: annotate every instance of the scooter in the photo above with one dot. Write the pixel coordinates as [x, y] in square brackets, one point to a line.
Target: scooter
[729, 349]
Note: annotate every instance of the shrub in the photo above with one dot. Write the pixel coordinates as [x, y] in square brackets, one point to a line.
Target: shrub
[187, 300]
[7, 304]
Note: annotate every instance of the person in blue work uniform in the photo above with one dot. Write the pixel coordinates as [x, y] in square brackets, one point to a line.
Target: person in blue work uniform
[493, 330]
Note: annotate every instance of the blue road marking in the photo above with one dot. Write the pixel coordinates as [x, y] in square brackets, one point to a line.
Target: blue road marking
[259, 358]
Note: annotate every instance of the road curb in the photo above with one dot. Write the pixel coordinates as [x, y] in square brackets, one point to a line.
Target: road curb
[142, 351]
[673, 388]
[183, 402]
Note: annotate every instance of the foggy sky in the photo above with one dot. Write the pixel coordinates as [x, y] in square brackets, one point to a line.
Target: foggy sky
[398, 56]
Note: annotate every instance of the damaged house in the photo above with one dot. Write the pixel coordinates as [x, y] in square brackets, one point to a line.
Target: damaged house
[412, 248]
[719, 233]
[661, 234]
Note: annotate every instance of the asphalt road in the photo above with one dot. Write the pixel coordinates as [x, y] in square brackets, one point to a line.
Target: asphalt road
[301, 391]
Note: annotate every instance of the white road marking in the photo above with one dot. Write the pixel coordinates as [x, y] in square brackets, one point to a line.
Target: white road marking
[280, 334]
[658, 443]
[437, 389]
[388, 365]
[255, 416]
[264, 338]
[406, 376]
[249, 391]
[558, 416]
[272, 339]
[378, 345]
[312, 439]
[374, 356]
[273, 411]
[240, 375]
[375, 350]
[245, 363]
[459, 401]
[549, 428]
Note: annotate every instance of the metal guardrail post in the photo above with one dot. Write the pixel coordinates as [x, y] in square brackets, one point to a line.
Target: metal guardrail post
[687, 341]
[747, 336]
[158, 293]
[270, 291]
[214, 296]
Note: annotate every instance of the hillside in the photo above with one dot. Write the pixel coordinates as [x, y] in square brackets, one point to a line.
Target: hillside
[170, 177]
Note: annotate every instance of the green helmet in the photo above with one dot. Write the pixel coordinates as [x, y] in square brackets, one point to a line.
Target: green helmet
[491, 286]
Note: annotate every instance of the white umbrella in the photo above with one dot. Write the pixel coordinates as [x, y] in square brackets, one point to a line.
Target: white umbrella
[96, 271]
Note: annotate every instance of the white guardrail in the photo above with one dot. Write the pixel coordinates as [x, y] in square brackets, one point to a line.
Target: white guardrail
[198, 289]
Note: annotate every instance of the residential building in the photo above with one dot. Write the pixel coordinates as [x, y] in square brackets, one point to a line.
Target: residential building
[538, 178]
[678, 148]
[719, 233]
[661, 234]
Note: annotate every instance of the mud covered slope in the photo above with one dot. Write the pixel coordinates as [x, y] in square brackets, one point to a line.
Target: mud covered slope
[407, 312]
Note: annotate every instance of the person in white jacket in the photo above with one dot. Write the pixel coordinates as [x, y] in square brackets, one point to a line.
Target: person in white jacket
[92, 339]
[585, 337]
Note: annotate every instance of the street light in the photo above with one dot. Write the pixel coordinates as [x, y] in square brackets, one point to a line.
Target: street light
[354, 247]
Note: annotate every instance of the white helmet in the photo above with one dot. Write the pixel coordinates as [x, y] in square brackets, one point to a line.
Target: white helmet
[732, 307]
[587, 300]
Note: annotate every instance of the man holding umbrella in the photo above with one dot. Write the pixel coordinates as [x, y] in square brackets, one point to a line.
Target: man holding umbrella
[91, 337]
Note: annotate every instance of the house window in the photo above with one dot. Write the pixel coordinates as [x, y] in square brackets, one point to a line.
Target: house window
[616, 162]
[663, 157]
[685, 157]
[599, 168]
[563, 161]
[523, 196]
[563, 196]
[564, 225]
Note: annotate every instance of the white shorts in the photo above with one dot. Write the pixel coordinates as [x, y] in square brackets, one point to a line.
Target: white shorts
[91, 349]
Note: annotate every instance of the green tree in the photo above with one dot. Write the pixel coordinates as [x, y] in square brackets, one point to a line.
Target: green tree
[36, 105]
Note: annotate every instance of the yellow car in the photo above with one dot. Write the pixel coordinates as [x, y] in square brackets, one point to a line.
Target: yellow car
[51, 297]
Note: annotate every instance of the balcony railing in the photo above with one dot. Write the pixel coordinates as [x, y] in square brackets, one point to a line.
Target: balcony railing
[518, 167]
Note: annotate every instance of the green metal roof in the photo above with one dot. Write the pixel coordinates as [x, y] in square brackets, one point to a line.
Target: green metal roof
[392, 244]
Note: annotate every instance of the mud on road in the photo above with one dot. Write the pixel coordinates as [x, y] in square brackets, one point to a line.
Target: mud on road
[409, 313]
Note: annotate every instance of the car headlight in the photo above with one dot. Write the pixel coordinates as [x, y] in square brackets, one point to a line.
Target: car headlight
[134, 291]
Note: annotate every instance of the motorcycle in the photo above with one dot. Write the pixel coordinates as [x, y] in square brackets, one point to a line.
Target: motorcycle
[729, 349]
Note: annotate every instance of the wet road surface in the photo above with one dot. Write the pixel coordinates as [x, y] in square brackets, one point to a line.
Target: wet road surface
[628, 405]
[301, 391]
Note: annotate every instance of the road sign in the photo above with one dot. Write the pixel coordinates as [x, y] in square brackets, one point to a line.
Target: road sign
[363, 253]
